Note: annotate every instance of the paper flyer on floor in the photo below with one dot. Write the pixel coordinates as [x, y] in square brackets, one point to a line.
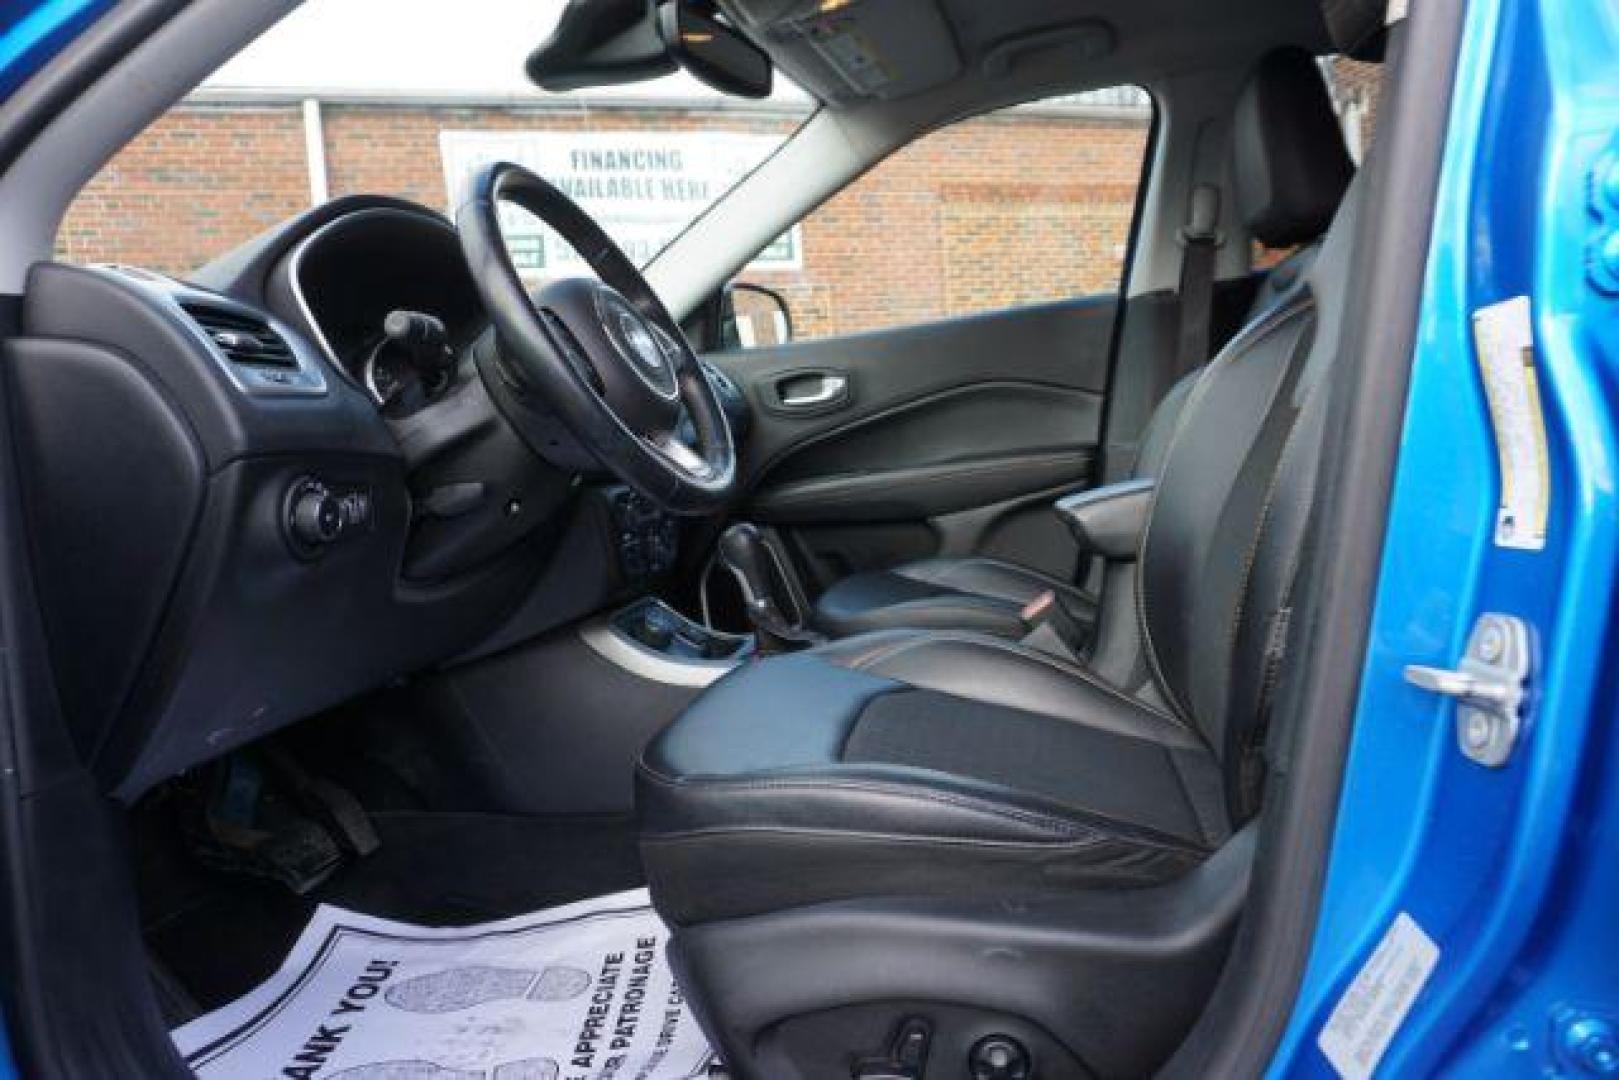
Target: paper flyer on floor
[581, 992]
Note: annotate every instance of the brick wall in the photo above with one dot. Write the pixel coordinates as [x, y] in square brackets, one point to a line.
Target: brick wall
[1003, 210]
[193, 185]
[1018, 207]
[1358, 86]
[996, 211]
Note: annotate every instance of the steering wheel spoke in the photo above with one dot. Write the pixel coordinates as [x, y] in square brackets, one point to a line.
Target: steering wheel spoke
[677, 451]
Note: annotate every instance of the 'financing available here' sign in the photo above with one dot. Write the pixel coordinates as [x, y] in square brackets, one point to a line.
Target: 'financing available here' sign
[643, 187]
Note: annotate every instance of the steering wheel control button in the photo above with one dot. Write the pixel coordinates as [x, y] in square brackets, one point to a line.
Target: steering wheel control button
[318, 515]
[999, 1057]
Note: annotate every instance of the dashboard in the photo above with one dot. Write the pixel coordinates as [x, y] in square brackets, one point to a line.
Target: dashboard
[347, 276]
[248, 500]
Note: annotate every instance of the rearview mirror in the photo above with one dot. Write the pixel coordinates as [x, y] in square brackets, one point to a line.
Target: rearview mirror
[712, 51]
[600, 43]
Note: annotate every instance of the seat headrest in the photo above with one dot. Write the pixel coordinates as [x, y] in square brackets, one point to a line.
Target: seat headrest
[1290, 160]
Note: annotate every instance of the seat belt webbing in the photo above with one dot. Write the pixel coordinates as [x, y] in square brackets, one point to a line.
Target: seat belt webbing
[1201, 239]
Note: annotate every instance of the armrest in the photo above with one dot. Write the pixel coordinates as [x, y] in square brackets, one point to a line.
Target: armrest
[1108, 520]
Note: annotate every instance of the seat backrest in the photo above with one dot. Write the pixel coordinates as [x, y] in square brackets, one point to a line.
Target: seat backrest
[1291, 168]
[1232, 504]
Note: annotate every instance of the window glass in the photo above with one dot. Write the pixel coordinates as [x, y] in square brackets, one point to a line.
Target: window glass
[335, 101]
[1355, 86]
[1021, 206]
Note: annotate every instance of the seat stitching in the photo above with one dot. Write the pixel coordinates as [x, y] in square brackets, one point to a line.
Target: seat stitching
[1155, 671]
[1012, 649]
[946, 576]
[1280, 316]
[875, 787]
[1251, 557]
[866, 661]
[1153, 837]
[1228, 356]
[976, 601]
[1099, 840]
[956, 606]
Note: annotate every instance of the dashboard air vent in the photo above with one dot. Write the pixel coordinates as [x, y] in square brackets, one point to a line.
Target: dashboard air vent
[244, 339]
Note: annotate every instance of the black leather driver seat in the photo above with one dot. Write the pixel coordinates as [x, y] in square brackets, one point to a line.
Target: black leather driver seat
[875, 820]
[905, 763]
[946, 762]
[1291, 168]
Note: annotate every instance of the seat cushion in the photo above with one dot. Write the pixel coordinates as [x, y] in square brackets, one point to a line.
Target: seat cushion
[977, 594]
[918, 764]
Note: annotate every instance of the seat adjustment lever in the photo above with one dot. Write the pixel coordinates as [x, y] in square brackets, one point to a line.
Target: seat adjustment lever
[907, 1056]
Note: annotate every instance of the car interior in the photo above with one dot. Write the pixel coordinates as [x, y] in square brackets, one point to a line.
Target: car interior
[934, 680]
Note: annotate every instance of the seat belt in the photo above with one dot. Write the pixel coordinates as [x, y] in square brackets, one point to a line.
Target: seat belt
[1201, 239]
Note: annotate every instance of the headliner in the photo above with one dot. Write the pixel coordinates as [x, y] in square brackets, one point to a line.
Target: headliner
[849, 52]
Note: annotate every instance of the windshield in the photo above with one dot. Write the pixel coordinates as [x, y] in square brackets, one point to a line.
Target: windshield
[336, 101]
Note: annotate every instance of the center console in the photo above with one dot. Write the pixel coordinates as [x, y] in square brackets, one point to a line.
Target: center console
[652, 640]
[646, 539]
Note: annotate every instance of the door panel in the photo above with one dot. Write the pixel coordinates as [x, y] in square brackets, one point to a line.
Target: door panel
[917, 492]
[951, 437]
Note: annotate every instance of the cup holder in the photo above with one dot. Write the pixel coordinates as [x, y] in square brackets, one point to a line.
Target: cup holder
[654, 641]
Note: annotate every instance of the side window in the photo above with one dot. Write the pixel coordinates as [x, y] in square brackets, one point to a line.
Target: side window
[1021, 206]
[1355, 87]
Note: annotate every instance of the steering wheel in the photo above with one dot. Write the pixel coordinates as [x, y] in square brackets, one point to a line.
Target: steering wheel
[603, 358]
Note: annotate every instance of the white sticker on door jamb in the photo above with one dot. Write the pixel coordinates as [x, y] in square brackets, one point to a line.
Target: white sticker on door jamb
[1369, 1015]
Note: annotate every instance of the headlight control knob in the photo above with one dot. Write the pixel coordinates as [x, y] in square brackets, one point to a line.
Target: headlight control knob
[315, 516]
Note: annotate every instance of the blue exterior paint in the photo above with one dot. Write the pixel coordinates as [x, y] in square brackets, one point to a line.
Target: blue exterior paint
[1511, 871]
[31, 32]
[36, 30]
[1503, 868]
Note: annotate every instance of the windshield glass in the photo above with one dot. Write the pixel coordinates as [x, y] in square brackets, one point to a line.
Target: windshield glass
[335, 101]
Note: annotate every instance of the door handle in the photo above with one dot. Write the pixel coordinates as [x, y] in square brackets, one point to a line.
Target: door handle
[807, 391]
[830, 387]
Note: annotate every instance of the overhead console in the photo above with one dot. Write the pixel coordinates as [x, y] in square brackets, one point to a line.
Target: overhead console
[849, 52]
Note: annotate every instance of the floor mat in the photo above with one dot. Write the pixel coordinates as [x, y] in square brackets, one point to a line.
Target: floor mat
[438, 868]
[580, 992]
[221, 936]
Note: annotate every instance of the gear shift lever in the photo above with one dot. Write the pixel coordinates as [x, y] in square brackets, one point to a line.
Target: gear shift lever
[771, 607]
